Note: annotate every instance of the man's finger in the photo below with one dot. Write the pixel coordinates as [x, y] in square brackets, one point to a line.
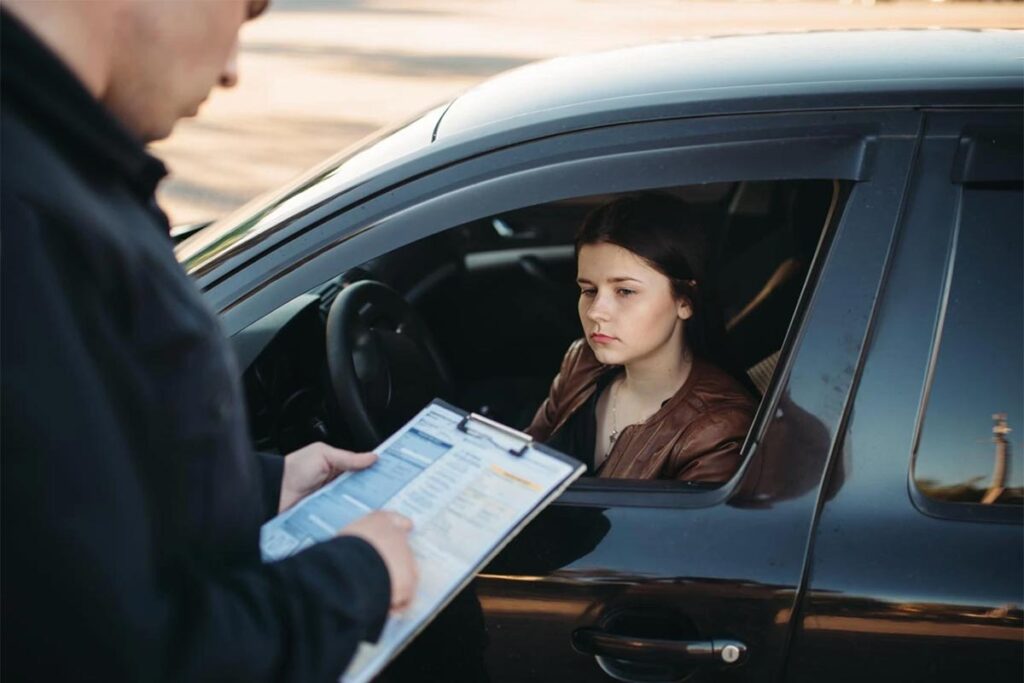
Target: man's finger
[347, 460]
[401, 521]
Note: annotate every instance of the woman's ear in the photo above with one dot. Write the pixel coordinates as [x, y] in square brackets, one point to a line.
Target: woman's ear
[684, 309]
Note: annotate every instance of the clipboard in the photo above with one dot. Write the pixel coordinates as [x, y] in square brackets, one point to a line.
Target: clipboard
[469, 483]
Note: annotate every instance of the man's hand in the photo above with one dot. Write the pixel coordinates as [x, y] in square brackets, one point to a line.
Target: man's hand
[309, 468]
[312, 466]
[388, 533]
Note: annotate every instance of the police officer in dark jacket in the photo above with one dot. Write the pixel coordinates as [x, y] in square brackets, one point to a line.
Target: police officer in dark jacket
[132, 501]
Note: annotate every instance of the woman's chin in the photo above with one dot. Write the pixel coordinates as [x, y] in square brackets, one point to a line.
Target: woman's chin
[606, 356]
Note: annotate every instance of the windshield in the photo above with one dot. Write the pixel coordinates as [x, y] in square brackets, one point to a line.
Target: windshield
[261, 215]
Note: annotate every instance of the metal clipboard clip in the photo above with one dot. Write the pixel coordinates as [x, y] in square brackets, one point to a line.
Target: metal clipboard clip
[526, 439]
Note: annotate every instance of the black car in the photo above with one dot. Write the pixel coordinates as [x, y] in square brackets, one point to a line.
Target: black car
[863, 196]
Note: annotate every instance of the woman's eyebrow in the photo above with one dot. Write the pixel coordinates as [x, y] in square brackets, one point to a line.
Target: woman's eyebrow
[585, 281]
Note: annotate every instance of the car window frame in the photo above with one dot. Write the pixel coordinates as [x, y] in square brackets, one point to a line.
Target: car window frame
[572, 155]
[832, 145]
[978, 160]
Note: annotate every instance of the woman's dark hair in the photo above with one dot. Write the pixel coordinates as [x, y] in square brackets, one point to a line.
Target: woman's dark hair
[663, 231]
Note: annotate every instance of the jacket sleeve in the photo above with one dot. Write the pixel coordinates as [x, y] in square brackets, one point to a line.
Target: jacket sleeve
[547, 415]
[271, 473]
[83, 592]
[709, 449]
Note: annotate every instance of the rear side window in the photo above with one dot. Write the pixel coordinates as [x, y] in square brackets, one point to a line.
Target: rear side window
[970, 446]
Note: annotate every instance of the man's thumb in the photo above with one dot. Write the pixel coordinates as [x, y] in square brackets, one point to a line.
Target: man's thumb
[347, 460]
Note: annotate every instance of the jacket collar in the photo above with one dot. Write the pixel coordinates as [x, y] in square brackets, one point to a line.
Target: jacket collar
[593, 377]
[52, 99]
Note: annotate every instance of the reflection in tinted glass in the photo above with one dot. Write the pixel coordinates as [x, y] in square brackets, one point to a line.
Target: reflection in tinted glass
[970, 442]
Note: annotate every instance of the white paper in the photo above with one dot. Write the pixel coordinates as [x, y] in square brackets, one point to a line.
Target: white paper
[465, 493]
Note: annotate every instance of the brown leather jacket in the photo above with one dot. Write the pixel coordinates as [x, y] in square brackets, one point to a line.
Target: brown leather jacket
[695, 436]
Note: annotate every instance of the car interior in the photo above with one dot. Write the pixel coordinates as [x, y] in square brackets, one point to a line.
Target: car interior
[481, 314]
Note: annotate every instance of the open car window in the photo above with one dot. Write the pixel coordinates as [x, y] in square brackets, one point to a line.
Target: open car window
[501, 301]
[483, 252]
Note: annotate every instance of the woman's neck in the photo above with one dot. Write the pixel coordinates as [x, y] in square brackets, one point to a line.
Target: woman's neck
[659, 377]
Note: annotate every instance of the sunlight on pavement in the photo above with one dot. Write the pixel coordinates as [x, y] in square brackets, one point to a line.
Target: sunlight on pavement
[318, 75]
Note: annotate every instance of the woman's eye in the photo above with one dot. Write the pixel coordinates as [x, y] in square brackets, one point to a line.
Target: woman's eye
[626, 292]
[588, 292]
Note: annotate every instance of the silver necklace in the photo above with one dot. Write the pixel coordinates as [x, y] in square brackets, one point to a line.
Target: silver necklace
[615, 421]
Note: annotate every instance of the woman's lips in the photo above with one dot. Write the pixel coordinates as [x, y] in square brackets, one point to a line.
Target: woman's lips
[601, 338]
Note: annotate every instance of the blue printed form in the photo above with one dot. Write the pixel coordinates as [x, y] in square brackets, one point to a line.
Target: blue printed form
[467, 492]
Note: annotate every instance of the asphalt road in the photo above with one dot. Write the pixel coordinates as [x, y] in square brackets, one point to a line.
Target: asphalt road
[318, 75]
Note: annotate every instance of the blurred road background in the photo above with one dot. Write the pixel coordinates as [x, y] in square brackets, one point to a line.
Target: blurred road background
[318, 75]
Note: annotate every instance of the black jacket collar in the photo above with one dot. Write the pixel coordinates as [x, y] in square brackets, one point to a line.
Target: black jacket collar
[34, 81]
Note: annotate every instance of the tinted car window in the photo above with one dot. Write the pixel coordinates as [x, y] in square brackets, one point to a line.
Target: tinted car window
[969, 450]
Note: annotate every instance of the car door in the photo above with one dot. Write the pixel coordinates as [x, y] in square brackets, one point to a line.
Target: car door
[654, 580]
[658, 580]
[917, 560]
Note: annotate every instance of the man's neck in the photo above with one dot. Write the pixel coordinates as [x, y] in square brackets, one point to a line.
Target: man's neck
[81, 34]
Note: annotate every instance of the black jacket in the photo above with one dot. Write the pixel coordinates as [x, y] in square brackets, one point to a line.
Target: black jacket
[132, 500]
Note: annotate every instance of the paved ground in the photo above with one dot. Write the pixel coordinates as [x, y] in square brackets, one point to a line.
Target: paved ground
[317, 75]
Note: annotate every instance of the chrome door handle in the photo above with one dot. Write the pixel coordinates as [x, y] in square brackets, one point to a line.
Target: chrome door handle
[593, 641]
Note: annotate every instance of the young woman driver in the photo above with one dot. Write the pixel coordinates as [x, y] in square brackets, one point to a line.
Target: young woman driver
[639, 396]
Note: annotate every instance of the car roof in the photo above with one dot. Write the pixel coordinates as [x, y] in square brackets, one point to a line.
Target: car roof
[738, 74]
[866, 65]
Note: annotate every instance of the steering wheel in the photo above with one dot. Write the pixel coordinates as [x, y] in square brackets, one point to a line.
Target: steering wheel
[384, 364]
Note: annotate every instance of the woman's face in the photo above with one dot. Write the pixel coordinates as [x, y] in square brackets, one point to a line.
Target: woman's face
[627, 308]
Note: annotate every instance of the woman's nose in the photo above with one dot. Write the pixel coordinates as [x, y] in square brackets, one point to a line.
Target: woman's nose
[598, 310]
